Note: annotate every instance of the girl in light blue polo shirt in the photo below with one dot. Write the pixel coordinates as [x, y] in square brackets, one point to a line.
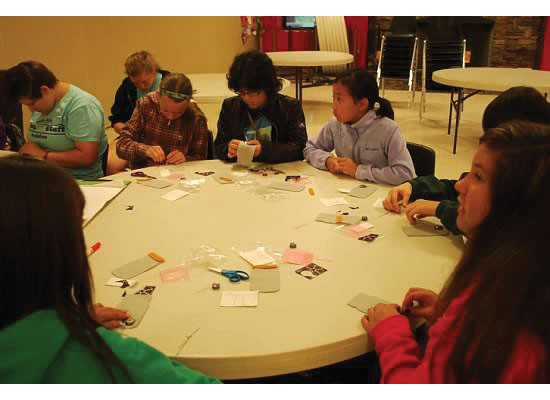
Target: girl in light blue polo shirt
[67, 123]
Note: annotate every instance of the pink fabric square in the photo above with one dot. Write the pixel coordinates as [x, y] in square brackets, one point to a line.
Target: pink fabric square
[355, 231]
[175, 274]
[296, 256]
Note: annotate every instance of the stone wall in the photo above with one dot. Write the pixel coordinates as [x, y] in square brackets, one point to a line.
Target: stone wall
[515, 42]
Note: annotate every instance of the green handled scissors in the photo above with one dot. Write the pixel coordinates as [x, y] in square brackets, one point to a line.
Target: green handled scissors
[233, 275]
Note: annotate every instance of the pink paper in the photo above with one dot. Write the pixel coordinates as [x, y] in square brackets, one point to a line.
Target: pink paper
[355, 231]
[296, 256]
[175, 274]
[175, 176]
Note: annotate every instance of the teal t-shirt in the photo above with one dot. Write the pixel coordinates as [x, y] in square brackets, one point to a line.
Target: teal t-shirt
[154, 86]
[78, 116]
[264, 127]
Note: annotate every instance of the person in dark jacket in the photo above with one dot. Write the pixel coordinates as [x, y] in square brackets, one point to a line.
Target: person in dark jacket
[11, 135]
[143, 76]
[430, 196]
[259, 115]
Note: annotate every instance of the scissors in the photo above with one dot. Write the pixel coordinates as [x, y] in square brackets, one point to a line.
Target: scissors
[141, 174]
[232, 275]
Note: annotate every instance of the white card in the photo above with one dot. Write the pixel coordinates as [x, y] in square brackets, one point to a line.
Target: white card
[165, 173]
[366, 225]
[239, 299]
[379, 203]
[257, 257]
[117, 282]
[342, 190]
[240, 174]
[175, 194]
[198, 181]
[333, 201]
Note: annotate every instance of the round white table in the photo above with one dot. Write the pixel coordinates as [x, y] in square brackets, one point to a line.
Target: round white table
[307, 323]
[486, 78]
[300, 59]
[212, 87]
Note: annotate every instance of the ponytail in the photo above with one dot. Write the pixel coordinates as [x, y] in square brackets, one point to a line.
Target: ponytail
[385, 109]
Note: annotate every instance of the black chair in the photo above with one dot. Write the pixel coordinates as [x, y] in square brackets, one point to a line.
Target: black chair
[15, 137]
[210, 152]
[439, 55]
[398, 60]
[12, 117]
[104, 158]
[423, 158]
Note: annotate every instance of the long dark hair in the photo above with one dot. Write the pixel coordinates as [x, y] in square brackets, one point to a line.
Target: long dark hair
[362, 85]
[43, 262]
[505, 263]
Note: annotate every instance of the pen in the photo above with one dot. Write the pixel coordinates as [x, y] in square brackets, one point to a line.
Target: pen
[93, 249]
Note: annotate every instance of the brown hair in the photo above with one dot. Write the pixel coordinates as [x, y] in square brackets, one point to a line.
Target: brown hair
[505, 263]
[43, 262]
[176, 86]
[141, 61]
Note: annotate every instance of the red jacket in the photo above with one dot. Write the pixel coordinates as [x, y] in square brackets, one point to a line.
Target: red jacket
[401, 362]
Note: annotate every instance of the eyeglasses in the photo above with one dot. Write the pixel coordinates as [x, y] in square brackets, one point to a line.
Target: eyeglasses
[250, 93]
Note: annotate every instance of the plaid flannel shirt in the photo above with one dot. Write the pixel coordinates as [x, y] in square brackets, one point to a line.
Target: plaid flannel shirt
[148, 127]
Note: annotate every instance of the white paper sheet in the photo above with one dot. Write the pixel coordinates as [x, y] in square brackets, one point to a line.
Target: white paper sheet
[245, 298]
[174, 195]
[257, 257]
[379, 203]
[96, 198]
[333, 201]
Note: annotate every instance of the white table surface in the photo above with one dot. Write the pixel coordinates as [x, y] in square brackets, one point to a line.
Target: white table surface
[309, 58]
[307, 324]
[213, 87]
[494, 79]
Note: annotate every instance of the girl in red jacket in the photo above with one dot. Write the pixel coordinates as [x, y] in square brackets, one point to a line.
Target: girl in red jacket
[490, 322]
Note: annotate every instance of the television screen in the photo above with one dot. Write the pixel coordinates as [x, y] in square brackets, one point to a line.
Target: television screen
[299, 22]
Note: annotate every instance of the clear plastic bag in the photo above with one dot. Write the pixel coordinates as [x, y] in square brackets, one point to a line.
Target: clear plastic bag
[205, 257]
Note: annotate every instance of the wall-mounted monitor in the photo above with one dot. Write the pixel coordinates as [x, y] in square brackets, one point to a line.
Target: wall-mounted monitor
[299, 22]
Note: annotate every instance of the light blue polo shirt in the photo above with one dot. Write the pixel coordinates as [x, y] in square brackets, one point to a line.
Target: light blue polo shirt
[78, 116]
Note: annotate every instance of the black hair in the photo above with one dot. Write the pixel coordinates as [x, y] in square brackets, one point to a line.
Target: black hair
[521, 103]
[253, 70]
[26, 78]
[362, 85]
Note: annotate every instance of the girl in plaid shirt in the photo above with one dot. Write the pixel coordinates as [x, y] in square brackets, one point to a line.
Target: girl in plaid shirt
[165, 127]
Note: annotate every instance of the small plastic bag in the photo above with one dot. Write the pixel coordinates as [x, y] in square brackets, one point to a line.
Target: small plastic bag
[205, 257]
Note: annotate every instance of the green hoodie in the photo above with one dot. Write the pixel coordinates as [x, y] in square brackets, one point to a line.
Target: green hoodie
[443, 190]
[38, 349]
